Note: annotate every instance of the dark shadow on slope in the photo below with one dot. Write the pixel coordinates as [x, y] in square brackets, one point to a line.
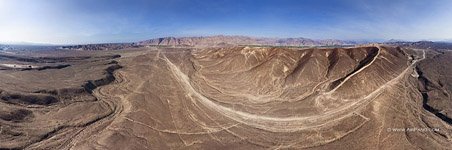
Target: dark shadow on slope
[372, 53]
[425, 83]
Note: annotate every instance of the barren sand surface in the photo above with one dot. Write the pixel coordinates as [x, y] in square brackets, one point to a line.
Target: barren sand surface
[370, 97]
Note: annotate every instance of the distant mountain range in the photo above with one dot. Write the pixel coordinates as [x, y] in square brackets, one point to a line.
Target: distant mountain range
[220, 40]
[26, 44]
[423, 45]
[4, 47]
[206, 41]
[106, 46]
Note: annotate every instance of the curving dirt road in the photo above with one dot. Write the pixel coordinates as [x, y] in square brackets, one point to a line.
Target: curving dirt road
[257, 98]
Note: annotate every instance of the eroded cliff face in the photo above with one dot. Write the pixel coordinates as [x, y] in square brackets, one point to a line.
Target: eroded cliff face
[256, 98]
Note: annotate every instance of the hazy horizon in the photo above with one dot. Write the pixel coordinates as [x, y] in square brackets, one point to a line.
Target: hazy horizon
[84, 21]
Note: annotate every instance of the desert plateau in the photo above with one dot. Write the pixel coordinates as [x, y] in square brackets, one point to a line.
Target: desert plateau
[233, 97]
[225, 75]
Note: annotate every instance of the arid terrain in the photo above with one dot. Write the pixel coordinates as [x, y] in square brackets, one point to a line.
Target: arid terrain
[229, 97]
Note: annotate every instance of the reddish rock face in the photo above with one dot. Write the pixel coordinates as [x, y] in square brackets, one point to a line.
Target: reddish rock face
[374, 97]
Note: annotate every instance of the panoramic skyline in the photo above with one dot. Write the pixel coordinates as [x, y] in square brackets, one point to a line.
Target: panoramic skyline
[103, 21]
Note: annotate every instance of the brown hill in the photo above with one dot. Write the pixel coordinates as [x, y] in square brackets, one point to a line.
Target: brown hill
[373, 97]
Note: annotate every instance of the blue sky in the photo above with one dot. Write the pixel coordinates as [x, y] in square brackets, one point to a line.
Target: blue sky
[99, 21]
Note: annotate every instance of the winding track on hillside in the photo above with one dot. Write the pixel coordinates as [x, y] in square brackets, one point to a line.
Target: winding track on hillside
[288, 124]
[121, 106]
